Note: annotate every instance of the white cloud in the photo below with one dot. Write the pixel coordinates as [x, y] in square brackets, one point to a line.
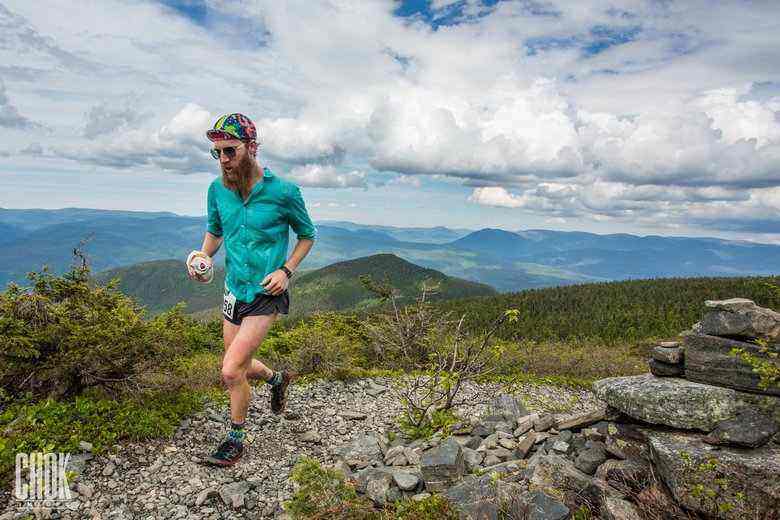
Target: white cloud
[406, 180]
[327, 176]
[495, 196]
[511, 104]
[176, 146]
[9, 115]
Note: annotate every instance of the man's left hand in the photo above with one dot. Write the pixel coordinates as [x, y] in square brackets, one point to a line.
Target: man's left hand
[276, 282]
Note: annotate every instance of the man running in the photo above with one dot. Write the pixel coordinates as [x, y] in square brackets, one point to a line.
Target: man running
[251, 209]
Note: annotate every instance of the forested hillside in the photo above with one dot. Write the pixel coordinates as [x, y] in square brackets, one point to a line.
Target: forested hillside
[612, 311]
[159, 285]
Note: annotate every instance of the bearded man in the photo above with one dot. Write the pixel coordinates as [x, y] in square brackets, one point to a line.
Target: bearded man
[251, 210]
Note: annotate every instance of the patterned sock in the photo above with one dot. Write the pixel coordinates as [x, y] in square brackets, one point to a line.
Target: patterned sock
[275, 379]
[237, 432]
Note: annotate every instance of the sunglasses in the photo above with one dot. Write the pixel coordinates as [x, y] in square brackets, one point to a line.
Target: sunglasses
[229, 151]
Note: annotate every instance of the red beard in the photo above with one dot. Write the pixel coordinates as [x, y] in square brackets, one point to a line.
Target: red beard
[239, 178]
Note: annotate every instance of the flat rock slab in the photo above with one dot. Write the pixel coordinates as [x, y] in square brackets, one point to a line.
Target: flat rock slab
[708, 359]
[752, 473]
[669, 355]
[661, 369]
[669, 400]
[581, 419]
[740, 317]
[749, 429]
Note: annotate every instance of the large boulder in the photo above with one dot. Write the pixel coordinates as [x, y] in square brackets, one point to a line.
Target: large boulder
[361, 451]
[618, 509]
[507, 406]
[555, 474]
[749, 429]
[708, 359]
[726, 483]
[544, 507]
[740, 317]
[627, 476]
[482, 497]
[443, 465]
[669, 401]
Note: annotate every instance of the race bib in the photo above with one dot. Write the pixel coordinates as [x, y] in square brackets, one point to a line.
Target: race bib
[228, 304]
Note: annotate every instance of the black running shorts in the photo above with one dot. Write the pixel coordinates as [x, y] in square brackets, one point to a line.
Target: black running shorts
[262, 305]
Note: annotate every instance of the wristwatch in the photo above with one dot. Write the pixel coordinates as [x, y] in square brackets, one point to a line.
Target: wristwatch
[286, 271]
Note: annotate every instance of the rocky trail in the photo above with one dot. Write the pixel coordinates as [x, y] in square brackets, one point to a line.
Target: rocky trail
[165, 479]
[696, 438]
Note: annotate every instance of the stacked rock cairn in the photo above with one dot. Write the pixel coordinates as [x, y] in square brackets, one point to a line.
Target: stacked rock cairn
[711, 425]
[695, 438]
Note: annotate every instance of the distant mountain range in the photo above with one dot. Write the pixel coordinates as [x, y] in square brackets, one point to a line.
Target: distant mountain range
[160, 284]
[505, 260]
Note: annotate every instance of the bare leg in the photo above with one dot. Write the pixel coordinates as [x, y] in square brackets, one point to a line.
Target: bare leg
[257, 370]
[238, 361]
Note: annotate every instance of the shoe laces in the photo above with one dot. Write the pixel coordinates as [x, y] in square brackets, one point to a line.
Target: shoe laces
[228, 448]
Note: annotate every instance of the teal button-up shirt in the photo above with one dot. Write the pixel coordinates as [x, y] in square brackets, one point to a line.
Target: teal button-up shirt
[256, 231]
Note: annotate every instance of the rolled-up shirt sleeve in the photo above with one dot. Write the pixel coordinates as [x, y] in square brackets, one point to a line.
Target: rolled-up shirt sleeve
[214, 223]
[298, 216]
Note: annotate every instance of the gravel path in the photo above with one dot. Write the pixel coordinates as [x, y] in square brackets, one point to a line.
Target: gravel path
[164, 479]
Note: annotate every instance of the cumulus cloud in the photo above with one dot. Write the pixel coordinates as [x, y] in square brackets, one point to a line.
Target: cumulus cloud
[751, 210]
[177, 146]
[9, 115]
[109, 117]
[406, 180]
[299, 141]
[636, 110]
[495, 196]
[326, 176]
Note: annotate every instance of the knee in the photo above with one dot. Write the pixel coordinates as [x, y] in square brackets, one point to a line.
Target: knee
[232, 375]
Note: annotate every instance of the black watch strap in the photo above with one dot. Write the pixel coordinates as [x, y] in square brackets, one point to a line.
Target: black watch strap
[286, 271]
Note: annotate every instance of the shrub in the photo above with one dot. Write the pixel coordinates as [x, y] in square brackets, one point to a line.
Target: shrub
[324, 494]
[50, 425]
[432, 508]
[328, 344]
[65, 335]
[423, 428]
[436, 349]
[579, 361]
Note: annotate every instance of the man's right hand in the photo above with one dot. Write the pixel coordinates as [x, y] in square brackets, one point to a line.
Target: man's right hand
[190, 271]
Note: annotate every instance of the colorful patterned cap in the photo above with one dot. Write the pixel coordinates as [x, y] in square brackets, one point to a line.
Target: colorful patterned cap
[233, 126]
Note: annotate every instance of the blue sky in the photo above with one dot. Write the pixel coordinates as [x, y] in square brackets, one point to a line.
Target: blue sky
[601, 115]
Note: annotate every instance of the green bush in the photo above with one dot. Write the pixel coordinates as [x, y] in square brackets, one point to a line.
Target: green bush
[324, 494]
[79, 362]
[66, 335]
[438, 421]
[432, 508]
[327, 344]
[58, 426]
